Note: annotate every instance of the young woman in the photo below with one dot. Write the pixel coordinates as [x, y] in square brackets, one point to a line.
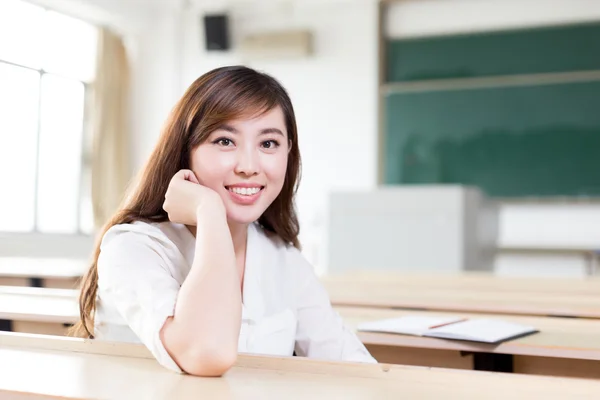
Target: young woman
[203, 260]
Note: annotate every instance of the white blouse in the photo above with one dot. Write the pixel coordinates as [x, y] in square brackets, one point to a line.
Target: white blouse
[285, 309]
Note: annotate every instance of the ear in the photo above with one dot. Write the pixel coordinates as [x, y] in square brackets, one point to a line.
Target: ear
[289, 146]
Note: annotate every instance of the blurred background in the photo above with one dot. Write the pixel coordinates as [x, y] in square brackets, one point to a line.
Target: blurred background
[436, 135]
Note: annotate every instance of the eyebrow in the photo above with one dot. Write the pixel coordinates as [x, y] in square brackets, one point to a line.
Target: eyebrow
[271, 130]
[265, 131]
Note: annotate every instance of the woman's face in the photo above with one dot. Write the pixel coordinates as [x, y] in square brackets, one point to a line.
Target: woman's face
[245, 162]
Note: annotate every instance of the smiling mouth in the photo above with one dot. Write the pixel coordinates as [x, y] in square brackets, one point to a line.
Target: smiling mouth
[245, 191]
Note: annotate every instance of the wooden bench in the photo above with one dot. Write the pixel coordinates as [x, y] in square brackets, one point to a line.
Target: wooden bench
[564, 346]
[41, 272]
[37, 310]
[37, 367]
[467, 293]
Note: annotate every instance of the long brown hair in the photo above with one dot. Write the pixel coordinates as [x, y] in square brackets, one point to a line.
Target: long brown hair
[215, 98]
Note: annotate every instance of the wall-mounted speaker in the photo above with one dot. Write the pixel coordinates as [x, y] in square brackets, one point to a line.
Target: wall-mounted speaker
[216, 32]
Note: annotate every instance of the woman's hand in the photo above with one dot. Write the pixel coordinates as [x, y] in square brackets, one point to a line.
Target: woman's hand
[186, 196]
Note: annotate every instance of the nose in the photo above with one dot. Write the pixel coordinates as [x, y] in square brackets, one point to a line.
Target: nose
[247, 162]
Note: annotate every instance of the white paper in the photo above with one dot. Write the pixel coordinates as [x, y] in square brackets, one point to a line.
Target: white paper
[481, 330]
[408, 325]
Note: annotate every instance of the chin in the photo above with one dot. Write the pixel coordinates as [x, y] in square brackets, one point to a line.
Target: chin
[244, 217]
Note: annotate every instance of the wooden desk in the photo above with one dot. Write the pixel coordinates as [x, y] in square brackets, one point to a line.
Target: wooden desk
[33, 367]
[467, 293]
[41, 272]
[37, 310]
[564, 346]
[472, 281]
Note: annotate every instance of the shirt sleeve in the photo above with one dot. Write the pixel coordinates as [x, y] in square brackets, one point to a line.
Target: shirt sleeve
[321, 333]
[134, 279]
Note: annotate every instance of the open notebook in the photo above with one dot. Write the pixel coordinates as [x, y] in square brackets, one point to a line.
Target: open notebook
[476, 330]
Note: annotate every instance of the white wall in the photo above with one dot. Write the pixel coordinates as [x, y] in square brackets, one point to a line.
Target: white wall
[155, 81]
[418, 18]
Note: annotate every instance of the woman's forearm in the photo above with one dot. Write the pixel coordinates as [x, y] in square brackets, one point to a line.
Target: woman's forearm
[203, 335]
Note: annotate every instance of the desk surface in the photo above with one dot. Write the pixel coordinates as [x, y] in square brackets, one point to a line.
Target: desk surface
[46, 268]
[572, 338]
[473, 281]
[467, 293]
[75, 368]
[38, 304]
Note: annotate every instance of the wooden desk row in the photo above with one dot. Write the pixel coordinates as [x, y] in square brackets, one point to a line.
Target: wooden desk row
[471, 281]
[469, 293]
[34, 367]
[37, 310]
[565, 347]
[51, 273]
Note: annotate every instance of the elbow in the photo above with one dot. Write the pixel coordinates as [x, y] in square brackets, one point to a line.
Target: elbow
[200, 357]
[208, 362]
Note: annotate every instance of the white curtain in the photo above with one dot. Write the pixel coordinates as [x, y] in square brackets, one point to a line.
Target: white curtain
[110, 151]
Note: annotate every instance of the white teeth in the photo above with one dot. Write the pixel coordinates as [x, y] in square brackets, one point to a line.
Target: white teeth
[245, 191]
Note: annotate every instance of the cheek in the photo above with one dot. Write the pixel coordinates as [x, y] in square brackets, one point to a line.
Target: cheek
[211, 168]
[275, 169]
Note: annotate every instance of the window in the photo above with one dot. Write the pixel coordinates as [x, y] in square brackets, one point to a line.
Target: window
[47, 65]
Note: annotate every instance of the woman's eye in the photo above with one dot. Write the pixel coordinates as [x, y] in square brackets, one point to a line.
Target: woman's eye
[224, 142]
[270, 144]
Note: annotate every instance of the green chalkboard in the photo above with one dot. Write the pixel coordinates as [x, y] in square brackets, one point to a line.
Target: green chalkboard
[556, 49]
[511, 141]
[515, 141]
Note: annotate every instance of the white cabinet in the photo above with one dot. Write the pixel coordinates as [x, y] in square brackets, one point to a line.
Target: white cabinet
[442, 228]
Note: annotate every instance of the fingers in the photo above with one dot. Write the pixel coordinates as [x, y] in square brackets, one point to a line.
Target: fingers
[187, 175]
[190, 176]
